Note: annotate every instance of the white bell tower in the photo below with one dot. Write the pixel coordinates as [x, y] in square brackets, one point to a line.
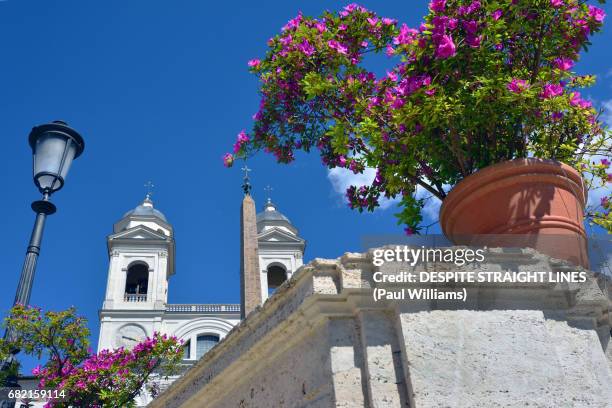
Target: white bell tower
[281, 250]
[141, 261]
[141, 251]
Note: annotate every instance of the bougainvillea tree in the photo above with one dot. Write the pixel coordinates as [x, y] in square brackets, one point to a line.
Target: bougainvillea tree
[477, 83]
[111, 378]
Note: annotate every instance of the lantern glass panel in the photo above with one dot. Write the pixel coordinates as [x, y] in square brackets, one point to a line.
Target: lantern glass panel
[49, 153]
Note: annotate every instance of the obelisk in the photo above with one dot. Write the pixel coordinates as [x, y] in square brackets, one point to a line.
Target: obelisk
[250, 280]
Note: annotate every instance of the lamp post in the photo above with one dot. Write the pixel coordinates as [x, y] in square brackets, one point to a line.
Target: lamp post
[54, 147]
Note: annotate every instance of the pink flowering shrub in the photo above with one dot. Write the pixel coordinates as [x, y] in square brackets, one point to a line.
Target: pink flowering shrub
[477, 83]
[111, 378]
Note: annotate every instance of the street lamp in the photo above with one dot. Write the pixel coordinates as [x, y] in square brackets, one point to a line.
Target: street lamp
[54, 146]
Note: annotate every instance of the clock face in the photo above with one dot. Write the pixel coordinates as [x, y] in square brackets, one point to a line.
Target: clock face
[128, 336]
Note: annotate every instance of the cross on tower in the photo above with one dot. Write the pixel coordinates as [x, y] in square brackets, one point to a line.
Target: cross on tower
[268, 191]
[149, 186]
[246, 185]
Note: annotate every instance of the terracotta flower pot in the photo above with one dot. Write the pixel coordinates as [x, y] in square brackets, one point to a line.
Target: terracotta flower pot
[520, 203]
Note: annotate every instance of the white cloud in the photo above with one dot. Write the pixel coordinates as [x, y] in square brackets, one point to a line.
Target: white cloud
[595, 195]
[342, 178]
[432, 203]
[607, 112]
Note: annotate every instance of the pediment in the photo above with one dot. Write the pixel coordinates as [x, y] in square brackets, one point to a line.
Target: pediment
[139, 232]
[278, 235]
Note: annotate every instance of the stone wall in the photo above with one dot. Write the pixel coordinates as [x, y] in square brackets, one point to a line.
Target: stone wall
[322, 341]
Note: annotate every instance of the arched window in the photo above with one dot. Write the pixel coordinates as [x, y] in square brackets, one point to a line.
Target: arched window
[276, 276]
[204, 343]
[136, 283]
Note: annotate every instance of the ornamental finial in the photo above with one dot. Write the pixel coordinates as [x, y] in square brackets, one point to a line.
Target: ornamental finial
[246, 184]
[268, 189]
[149, 186]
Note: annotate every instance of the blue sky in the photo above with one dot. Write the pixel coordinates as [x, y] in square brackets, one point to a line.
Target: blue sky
[159, 90]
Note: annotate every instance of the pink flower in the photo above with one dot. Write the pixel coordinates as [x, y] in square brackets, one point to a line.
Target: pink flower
[342, 161]
[475, 6]
[470, 26]
[496, 14]
[446, 47]
[398, 103]
[390, 51]
[374, 101]
[286, 40]
[335, 45]
[437, 6]
[551, 90]
[596, 13]
[388, 21]
[472, 41]
[392, 75]
[556, 3]
[320, 27]
[306, 48]
[439, 23]
[372, 21]
[406, 35]
[293, 23]
[36, 370]
[355, 7]
[576, 100]
[254, 63]
[517, 85]
[228, 160]
[243, 137]
[409, 231]
[564, 64]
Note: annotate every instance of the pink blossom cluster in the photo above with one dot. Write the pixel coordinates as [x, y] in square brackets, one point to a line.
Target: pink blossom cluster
[551, 90]
[517, 85]
[241, 141]
[108, 370]
[316, 93]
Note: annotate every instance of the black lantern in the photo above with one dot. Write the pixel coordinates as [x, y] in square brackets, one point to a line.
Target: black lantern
[54, 147]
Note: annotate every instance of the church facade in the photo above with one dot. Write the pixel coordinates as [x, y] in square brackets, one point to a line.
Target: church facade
[142, 262]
